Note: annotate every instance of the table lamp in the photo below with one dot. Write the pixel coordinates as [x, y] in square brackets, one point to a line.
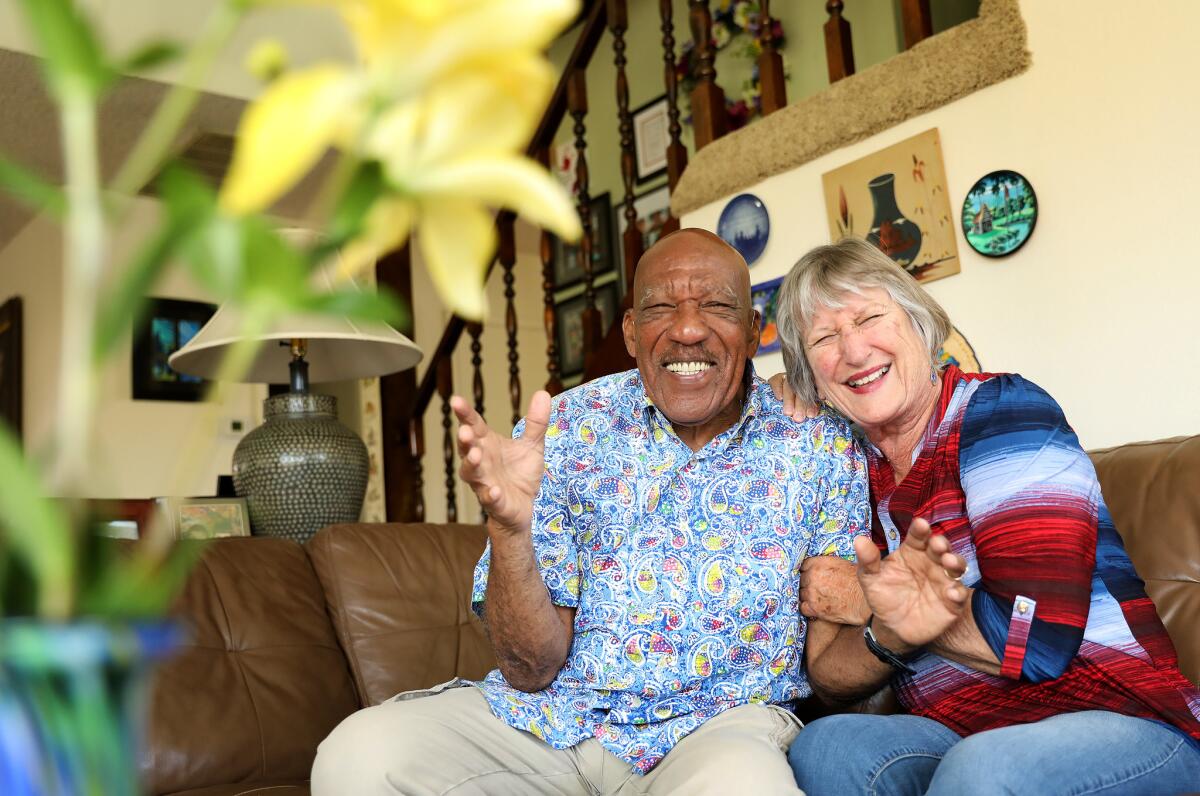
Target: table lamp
[301, 469]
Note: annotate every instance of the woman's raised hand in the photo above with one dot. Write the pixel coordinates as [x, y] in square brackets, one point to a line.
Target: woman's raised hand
[793, 407]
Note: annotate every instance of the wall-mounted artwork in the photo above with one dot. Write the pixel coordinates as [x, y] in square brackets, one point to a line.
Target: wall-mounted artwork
[763, 298]
[896, 199]
[570, 326]
[568, 268]
[11, 365]
[168, 324]
[957, 351]
[745, 225]
[999, 213]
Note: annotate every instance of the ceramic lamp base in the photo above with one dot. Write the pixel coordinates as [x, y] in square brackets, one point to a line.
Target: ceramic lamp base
[301, 469]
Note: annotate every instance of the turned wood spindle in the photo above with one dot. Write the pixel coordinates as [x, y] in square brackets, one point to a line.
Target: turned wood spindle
[475, 330]
[416, 450]
[917, 21]
[632, 236]
[770, 63]
[577, 106]
[839, 49]
[445, 386]
[549, 320]
[710, 120]
[676, 152]
[508, 259]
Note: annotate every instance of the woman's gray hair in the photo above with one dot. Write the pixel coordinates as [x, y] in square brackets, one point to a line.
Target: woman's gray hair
[821, 278]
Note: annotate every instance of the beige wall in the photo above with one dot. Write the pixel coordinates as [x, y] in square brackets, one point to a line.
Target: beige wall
[1099, 306]
[143, 448]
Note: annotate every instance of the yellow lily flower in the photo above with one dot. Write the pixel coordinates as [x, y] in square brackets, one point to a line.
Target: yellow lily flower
[448, 93]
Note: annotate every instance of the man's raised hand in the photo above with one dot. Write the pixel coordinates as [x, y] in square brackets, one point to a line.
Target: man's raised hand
[504, 473]
[915, 591]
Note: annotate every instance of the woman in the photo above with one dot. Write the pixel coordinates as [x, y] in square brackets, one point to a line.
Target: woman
[1050, 672]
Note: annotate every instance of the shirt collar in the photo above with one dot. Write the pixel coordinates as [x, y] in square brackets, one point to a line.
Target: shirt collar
[752, 405]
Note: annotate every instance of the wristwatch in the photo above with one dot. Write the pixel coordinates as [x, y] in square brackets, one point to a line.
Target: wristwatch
[894, 659]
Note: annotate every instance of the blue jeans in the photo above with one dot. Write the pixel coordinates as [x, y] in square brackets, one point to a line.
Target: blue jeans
[1073, 753]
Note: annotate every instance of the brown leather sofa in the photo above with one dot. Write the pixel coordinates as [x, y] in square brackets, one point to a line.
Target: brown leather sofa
[289, 640]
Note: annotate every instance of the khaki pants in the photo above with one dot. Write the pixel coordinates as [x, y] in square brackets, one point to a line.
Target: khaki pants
[448, 742]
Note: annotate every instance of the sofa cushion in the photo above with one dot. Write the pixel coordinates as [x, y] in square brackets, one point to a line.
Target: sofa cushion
[399, 596]
[1153, 492]
[260, 683]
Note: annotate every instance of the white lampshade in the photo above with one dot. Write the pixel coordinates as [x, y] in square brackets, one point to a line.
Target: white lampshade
[337, 348]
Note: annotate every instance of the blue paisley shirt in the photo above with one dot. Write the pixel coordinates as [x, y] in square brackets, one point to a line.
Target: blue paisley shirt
[683, 566]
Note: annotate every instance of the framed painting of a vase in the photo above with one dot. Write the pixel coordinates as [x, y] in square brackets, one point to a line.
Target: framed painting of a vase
[896, 199]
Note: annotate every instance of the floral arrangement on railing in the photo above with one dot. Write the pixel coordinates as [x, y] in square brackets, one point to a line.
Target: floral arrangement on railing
[737, 25]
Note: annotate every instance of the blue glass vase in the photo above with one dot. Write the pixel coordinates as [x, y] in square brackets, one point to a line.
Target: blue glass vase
[71, 704]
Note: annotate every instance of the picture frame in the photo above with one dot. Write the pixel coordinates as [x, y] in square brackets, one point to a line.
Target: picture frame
[166, 327]
[205, 518]
[896, 199]
[569, 326]
[763, 297]
[568, 270]
[653, 209]
[11, 365]
[651, 137]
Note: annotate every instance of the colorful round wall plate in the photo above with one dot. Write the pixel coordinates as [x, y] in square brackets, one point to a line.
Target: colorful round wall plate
[999, 213]
[745, 226]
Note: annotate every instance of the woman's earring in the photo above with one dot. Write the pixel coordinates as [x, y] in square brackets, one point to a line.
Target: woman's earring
[932, 375]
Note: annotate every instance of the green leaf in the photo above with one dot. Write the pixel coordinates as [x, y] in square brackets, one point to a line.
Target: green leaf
[36, 530]
[73, 60]
[134, 580]
[349, 217]
[30, 189]
[359, 305]
[150, 56]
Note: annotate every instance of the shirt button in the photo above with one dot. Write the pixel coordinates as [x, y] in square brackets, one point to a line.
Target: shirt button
[1022, 607]
[891, 534]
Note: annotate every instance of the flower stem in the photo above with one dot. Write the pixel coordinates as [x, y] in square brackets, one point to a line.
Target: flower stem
[156, 140]
[83, 269]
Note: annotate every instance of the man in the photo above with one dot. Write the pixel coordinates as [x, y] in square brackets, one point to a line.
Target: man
[640, 585]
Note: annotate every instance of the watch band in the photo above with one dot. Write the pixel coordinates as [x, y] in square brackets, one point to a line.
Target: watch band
[894, 659]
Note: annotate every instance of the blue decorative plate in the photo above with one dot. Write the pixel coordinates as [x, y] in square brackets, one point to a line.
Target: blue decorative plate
[745, 226]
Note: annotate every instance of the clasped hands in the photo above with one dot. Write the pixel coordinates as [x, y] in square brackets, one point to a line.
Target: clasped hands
[915, 593]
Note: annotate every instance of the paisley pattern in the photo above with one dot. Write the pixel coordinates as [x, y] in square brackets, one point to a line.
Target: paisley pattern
[683, 566]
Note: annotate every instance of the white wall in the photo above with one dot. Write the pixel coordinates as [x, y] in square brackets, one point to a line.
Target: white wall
[143, 448]
[1099, 305]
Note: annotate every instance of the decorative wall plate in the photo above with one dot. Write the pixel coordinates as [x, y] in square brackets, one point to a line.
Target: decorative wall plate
[999, 213]
[745, 226]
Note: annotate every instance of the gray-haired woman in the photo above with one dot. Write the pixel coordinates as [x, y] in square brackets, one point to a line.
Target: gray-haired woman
[1050, 671]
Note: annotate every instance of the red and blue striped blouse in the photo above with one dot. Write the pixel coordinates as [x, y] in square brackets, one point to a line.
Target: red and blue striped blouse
[1003, 476]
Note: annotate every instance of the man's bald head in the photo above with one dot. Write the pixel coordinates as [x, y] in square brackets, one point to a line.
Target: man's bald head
[691, 243]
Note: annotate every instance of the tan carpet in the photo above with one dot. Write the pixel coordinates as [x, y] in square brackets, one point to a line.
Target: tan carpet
[939, 70]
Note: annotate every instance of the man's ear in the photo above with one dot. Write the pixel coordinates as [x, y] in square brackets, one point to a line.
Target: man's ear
[629, 330]
[755, 331]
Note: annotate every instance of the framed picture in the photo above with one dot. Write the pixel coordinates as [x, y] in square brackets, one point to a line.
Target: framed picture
[653, 210]
[896, 199]
[570, 325]
[205, 518]
[167, 326]
[763, 298]
[651, 135]
[11, 365]
[567, 266]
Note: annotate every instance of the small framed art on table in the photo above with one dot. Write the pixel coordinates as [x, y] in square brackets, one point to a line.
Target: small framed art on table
[206, 518]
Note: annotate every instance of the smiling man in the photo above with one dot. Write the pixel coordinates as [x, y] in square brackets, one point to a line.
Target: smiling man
[640, 585]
